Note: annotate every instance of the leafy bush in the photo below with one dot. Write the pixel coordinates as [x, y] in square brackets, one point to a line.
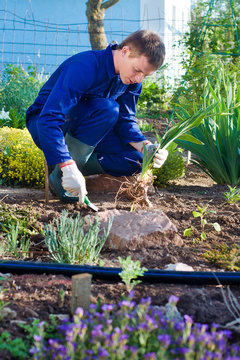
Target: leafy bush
[173, 168]
[21, 162]
[155, 95]
[218, 154]
[18, 90]
[205, 50]
[134, 331]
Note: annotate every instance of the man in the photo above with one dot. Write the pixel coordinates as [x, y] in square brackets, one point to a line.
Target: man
[84, 116]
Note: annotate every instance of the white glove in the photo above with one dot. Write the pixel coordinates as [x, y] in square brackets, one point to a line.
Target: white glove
[73, 181]
[160, 156]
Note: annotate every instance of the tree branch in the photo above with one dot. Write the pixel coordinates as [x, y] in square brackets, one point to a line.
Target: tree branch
[108, 4]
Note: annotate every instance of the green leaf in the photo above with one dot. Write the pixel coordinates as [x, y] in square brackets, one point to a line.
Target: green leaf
[197, 214]
[203, 236]
[216, 226]
[190, 138]
[187, 232]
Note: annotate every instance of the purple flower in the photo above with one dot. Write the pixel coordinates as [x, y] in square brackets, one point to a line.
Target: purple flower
[108, 307]
[133, 349]
[173, 299]
[188, 319]
[179, 326]
[165, 339]
[150, 356]
[127, 303]
[79, 311]
[102, 352]
[38, 338]
[145, 301]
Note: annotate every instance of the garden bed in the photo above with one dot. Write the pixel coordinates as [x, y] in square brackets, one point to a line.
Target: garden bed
[38, 296]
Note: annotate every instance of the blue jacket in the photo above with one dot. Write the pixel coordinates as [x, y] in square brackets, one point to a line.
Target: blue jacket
[86, 74]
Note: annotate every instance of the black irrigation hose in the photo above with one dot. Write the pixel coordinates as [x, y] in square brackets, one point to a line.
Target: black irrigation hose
[112, 274]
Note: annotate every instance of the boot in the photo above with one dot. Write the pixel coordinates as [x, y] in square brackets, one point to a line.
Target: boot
[92, 167]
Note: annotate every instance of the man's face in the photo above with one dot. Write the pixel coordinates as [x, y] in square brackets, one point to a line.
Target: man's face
[133, 69]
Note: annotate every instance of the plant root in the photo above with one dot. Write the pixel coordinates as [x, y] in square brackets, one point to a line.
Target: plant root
[136, 190]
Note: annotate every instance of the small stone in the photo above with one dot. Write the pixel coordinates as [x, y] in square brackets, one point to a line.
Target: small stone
[17, 322]
[11, 314]
[61, 316]
[178, 267]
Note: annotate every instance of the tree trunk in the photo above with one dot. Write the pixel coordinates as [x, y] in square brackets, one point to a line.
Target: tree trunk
[95, 13]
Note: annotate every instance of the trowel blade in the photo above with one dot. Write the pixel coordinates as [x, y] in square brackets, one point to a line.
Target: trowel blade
[90, 204]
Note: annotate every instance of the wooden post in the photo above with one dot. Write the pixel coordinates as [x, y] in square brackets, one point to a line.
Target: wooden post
[46, 182]
[81, 290]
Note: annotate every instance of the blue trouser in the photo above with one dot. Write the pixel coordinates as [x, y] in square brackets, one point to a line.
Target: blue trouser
[92, 122]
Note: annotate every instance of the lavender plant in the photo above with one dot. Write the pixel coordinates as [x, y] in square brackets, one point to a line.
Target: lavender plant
[128, 330]
[69, 242]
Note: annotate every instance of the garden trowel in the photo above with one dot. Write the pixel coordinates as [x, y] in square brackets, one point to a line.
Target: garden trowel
[90, 204]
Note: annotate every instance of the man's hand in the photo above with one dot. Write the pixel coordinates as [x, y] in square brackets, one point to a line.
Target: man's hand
[160, 156]
[73, 180]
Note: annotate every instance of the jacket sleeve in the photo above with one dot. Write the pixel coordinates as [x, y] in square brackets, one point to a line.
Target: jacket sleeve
[126, 126]
[73, 81]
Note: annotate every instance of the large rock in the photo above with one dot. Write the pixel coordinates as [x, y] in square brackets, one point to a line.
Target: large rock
[138, 229]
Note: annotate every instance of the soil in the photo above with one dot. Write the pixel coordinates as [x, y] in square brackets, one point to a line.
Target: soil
[37, 296]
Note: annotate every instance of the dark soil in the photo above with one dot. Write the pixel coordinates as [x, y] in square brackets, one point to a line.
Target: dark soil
[38, 296]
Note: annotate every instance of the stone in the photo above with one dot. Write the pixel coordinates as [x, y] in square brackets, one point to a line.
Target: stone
[9, 313]
[178, 267]
[141, 228]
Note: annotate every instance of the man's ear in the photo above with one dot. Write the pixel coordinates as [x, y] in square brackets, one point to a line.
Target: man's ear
[125, 50]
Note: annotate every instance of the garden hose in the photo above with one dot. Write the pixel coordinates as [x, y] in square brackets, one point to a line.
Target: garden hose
[112, 274]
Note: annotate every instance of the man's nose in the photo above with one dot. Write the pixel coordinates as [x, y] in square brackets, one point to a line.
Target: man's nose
[139, 78]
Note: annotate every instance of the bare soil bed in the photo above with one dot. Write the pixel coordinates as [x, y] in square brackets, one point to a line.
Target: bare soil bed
[38, 296]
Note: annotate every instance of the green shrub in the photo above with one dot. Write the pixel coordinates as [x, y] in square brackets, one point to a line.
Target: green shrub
[21, 162]
[173, 168]
[155, 95]
[18, 90]
[218, 153]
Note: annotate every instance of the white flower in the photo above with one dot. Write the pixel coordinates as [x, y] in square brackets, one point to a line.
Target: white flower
[4, 115]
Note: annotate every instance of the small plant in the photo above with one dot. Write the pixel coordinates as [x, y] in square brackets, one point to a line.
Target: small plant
[233, 195]
[3, 303]
[69, 242]
[201, 213]
[137, 189]
[225, 256]
[16, 228]
[130, 271]
[144, 126]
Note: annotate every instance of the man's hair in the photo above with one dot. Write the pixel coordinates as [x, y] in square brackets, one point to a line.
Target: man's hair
[147, 43]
